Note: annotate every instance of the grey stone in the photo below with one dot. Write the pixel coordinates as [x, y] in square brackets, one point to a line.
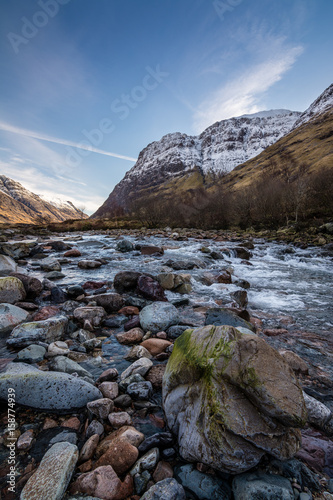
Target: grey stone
[50, 264]
[101, 407]
[18, 249]
[124, 246]
[252, 486]
[140, 390]
[140, 366]
[66, 365]
[95, 427]
[158, 316]
[147, 462]
[31, 354]
[11, 290]
[202, 486]
[10, 317]
[221, 316]
[48, 331]
[53, 474]
[168, 489]
[137, 352]
[7, 265]
[318, 413]
[46, 390]
[55, 275]
[136, 377]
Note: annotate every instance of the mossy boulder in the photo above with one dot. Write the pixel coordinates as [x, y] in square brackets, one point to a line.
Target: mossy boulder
[231, 398]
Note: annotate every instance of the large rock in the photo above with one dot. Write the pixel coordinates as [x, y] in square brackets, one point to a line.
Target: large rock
[7, 265]
[126, 281]
[230, 398]
[32, 286]
[124, 246]
[268, 486]
[11, 316]
[53, 474]
[11, 290]
[46, 390]
[158, 316]
[48, 331]
[18, 249]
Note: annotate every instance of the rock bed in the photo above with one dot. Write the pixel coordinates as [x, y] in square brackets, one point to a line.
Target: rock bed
[89, 363]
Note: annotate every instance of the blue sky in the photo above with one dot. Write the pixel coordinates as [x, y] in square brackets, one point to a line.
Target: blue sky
[86, 85]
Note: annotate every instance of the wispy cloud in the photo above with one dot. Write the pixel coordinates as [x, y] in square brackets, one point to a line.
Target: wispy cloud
[42, 137]
[243, 94]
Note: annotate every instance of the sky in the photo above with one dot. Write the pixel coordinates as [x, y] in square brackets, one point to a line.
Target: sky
[86, 85]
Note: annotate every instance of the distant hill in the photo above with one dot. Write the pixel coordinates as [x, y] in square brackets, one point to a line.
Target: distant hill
[19, 205]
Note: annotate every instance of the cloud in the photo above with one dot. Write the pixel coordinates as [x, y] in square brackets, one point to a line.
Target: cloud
[42, 137]
[243, 94]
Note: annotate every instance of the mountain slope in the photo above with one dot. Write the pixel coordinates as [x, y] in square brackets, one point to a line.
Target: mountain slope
[19, 205]
[219, 149]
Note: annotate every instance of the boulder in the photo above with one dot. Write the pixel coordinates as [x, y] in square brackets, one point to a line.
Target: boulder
[7, 265]
[48, 331]
[126, 281]
[18, 249]
[168, 489]
[11, 290]
[111, 302]
[74, 252]
[231, 398]
[256, 485]
[124, 246]
[33, 286]
[31, 354]
[93, 314]
[50, 264]
[11, 316]
[53, 474]
[178, 283]
[150, 288]
[152, 250]
[103, 483]
[46, 390]
[221, 316]
[158, 316]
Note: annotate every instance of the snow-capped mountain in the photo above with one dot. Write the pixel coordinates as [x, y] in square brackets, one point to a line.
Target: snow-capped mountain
[19, 205]
[219, 148]
[320, 106]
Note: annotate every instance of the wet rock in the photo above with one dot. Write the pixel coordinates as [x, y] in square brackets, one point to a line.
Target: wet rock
[158, 316]
[109, 389]
[89, 264]
[115, 321]
[240, 296]
[82, 335]
[220, 316]
[243, 284]
[111, 302]
[46, 390]
[155, 376]
[141, 366]
[163, 471]
[66, 365]
[147, 462]
[31, 354]
[155, 346]
[175, 331]
[55, 275]
[103, 483]
[158, 440]
[108, 375]
[124, 246]
[93, 314]
[11, 290]
[318, 413]
[255, 485]
[101, 407]
[10, 317]
[132, 336]
[46, 313]
[295, 362]
[168, 489]
[89, 448]
[18, 249]
[150, 288]
[178, 283]
[141, 482]
[140, 390]
[245, 395]
[48, 331]
[50, 264]
[120, 454]
[74, 252]
[136, 377]
[57, 348]
[7, 265]
[200, 485]
[119, 419]
[179, 265]
[53, 474]
[75, 291]
[137, 352]
[93, 285]
[126, 281]
[151, 250]
[243, 253]
[224, 277]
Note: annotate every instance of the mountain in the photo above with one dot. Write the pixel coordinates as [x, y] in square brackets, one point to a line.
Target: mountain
[19, 205]
[219, 149]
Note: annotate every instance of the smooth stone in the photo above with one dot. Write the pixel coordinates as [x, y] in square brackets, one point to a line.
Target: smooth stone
[202, 486]
[31, 354]
[150, 288]
[53, 474]
[158, 316]
[318, 413]
[50, 264]
[141, 481]
[55, 275]
[141, 366]
[119, 419]
[25, 441]
[95, 427]
[101, 407]
[10, 317]
[124, 246]
[175, 331]
[168, 489]
[111, 302]
[155, 346]
[18, 249]
[89, 264]
[120, 454]
[252, 486]
[108, 375]
[136, 377]
[48, 331]
[46, 390]
[88, 449]
[66, 365]
[132, 336]
[155, 376]
[57, 348]
[147, 462]
[11, 290]
[7, 265]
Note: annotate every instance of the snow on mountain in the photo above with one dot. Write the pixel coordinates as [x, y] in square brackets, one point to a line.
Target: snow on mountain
[321, 105]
